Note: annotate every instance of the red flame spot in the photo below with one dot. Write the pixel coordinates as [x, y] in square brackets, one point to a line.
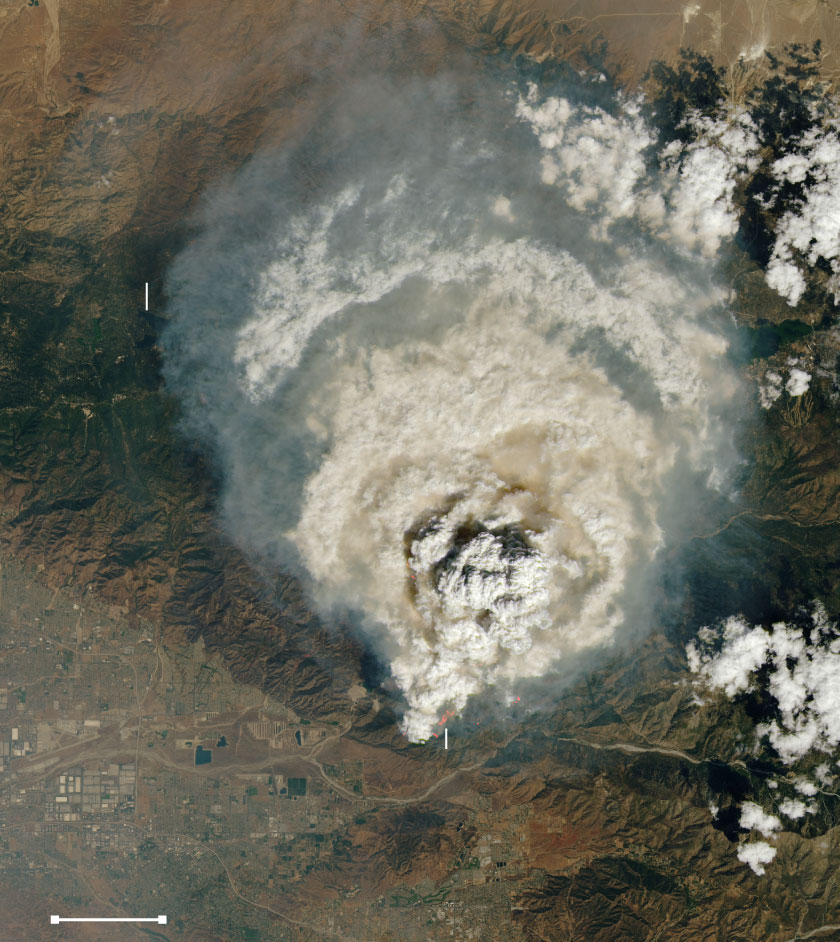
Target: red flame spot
[446, 716]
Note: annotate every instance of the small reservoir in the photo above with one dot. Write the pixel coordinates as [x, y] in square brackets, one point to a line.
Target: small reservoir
[203, 756]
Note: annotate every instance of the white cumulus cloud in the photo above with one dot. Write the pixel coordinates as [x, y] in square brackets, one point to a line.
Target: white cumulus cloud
[798, 382]
[746, 650]
[598, 158]
[810, 230]
[803, 677]
[756, 854]
[704, 175]
[754, 818]
[770, 389]
[794, 808]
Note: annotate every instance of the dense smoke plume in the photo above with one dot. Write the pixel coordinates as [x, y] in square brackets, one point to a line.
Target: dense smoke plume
[451, 377]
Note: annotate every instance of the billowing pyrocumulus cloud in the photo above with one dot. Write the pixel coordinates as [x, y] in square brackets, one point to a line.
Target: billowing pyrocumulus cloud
[452, 379]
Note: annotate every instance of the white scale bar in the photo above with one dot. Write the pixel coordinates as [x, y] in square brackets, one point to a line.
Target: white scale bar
[55, 920]
[147, 295]
[445, 738]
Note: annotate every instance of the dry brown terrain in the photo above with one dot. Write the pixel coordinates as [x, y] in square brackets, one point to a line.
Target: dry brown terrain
[638, 31]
